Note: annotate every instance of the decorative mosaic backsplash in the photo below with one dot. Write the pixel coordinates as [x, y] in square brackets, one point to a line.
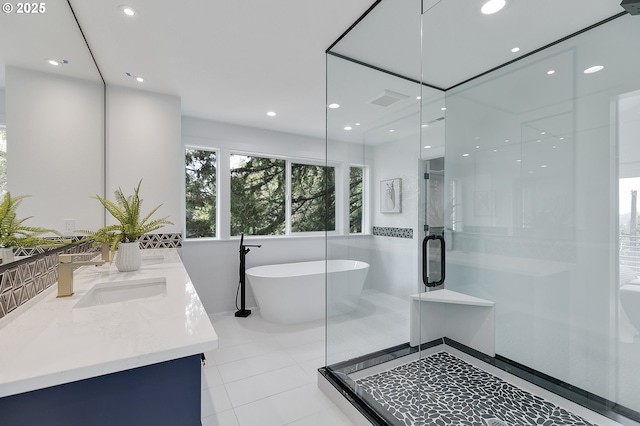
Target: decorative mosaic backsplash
[30, 277]
[444, 390]
[383, 231]
[155, 241]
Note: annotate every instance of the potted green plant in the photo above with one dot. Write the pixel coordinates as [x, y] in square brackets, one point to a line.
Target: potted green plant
[131, 225]
[13, 232]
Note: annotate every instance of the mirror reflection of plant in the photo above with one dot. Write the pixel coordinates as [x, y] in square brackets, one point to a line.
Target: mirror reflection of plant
[131, 225]
[13, 232]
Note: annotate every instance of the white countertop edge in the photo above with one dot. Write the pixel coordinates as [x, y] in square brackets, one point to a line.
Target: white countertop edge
[96, 370]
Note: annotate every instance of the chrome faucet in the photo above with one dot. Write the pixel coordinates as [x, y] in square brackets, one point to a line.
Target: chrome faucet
[65, 272]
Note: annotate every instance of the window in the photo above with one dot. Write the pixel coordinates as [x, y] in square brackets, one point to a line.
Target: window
[264, 196]
[200, 191]
[313, 198]
[258, 188]
[356, 198]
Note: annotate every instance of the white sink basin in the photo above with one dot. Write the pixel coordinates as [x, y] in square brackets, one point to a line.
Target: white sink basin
[122, 291]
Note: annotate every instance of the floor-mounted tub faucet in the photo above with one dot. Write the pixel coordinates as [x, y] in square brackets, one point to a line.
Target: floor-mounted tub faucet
[242, 311]
[65, 272]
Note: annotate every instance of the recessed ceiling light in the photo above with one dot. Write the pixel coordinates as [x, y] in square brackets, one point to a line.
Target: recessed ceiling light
[561, 139]
[465, 155]
[348, 128]
[424, 125]
[334, 106]
[506, 140]
[357, 124]
[477, 146]
[135, 77]
[543, 166]
[518, 161]
[391, 131]
[427, 146]
[515, 49]
[271, 114]
[553, 147]
[495, 150]
[493, 6]
[543, 133]
[593, 69]
[538, 140]
[443, 109]
[551, 72]
[418, 97]
[127, 10]
[56, 62]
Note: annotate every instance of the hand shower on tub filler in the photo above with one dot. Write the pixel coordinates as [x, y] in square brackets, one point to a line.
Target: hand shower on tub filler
[242, 311]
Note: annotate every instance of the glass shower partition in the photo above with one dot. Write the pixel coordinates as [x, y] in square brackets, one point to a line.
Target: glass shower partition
[532, 166]
[373, 123]
[539, 215]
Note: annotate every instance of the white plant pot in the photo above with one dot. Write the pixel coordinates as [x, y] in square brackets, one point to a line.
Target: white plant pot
[128, 257]
[6, 255]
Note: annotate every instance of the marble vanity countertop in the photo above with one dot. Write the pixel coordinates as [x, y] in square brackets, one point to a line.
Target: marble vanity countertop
[53, 341]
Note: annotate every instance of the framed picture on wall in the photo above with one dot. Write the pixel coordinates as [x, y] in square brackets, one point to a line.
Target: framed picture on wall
[391, 196]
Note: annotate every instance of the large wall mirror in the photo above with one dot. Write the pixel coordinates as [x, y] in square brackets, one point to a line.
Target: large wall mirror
[51, 117]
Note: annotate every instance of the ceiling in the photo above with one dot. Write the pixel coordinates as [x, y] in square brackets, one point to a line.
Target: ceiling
[454, 42]
[230, 61]
[233, 61]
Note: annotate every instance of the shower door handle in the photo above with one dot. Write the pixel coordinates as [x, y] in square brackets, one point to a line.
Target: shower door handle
[425, 277]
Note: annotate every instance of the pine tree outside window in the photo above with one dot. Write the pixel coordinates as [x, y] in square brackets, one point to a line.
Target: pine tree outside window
[313, 198]
[266, 196]
[258, 188]
[200, 193]
[356, 199]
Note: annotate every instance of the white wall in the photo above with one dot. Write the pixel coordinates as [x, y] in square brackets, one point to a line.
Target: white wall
[395, 261]
[143, 142]
[54, 147]
[2, 107]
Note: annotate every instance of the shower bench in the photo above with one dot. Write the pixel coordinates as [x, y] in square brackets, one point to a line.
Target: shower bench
[444, 313]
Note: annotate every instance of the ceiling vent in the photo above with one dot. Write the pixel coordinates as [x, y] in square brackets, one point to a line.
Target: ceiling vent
[388, 97]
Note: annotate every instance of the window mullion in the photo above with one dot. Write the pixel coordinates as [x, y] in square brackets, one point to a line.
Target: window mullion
[287, 214]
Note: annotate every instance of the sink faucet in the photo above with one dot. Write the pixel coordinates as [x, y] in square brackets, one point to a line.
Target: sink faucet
[65, 272]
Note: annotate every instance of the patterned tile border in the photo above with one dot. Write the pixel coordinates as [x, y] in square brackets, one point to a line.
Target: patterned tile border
[30, 277]
[153, 241]
[444, 390]
[383, 231]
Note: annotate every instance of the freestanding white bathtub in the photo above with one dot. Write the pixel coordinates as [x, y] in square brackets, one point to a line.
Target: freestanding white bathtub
[292, 293]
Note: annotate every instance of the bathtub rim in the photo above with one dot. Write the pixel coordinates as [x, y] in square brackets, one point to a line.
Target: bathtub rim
[257, 271]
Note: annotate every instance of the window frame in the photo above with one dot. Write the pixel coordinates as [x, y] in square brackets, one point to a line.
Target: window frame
[223, 192]
[217, 151]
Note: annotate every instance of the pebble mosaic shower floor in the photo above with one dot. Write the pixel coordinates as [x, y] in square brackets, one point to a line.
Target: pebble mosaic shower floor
[441, 389]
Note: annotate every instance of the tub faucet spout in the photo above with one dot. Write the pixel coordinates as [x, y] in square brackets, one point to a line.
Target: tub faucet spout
[65, 273]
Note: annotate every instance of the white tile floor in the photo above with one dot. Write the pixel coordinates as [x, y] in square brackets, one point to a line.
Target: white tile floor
[264, 374]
